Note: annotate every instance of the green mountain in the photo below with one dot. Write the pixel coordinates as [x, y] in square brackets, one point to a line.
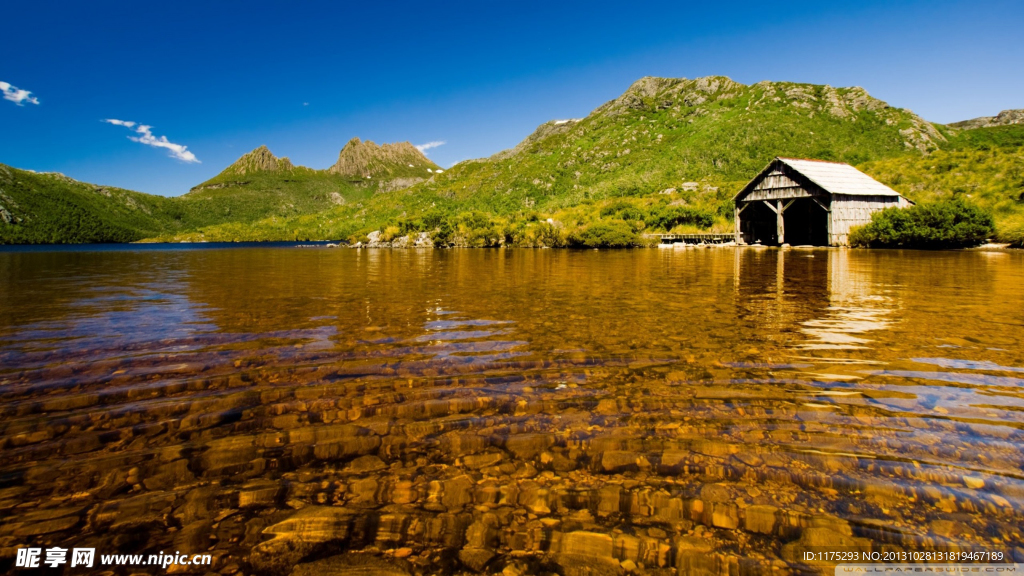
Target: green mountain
[668, 153]
[260, 185]
[52, 208]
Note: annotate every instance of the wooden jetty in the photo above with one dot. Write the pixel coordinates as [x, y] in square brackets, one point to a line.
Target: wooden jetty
[692, 238]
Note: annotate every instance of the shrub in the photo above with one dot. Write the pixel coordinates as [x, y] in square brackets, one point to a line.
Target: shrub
[541, 234]
[474, 219]
[726, 208]
[623, 211]
[1011, 231]
[615, 234]
[944, 224]
[670, 217]
[478, 230]
[390, 233]
[443, 233]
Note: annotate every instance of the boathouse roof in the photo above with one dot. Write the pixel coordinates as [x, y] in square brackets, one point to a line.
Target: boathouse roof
[833, 177]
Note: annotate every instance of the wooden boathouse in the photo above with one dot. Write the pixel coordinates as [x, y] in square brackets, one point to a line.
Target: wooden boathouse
[809, 202]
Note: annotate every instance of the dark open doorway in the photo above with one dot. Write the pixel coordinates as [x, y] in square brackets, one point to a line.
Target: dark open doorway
[806, 223]
[758, 224]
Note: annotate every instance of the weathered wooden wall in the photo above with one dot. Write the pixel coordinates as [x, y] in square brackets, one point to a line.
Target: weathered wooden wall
[849, 211]
[777, 185]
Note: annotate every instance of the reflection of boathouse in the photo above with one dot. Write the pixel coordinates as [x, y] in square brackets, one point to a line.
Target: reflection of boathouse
[833, 298]
[809, 202]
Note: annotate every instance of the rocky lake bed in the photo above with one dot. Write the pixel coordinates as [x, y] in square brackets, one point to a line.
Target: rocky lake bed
[511, 411]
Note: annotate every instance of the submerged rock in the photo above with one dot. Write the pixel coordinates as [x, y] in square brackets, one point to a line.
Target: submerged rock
[296, 536]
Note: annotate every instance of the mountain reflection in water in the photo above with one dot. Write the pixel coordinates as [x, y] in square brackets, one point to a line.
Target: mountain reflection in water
[358, 411]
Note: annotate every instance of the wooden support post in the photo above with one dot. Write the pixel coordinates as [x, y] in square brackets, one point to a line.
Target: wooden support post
[780, 223]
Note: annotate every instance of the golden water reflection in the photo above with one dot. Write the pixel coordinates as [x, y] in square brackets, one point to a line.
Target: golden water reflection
[340, 411]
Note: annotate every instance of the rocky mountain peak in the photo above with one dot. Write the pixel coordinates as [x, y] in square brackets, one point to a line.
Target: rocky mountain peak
[363, 159]
[660, 93]
[259, 160]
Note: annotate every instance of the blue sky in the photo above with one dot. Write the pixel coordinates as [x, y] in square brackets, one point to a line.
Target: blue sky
[222, 78]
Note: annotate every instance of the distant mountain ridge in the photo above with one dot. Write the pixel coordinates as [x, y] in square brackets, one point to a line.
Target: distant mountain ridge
[1004, 118]
[665, 144]
[53, 208]
[394, 166]
[671, 144]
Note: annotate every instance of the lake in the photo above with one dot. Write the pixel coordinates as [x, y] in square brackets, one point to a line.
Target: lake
[314, 410]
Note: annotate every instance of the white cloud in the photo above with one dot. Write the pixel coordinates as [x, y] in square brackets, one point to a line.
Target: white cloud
[145, 136]
[17, 96]
[424, 147]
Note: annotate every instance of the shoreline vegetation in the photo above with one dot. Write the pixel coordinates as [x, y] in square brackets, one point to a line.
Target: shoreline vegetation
[666, 156]
[943, 224]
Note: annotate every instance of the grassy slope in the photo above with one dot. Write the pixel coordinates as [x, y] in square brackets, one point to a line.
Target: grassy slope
[984, 165]
[50, 208]
[658, 135]
[259, 195]
[45, 208]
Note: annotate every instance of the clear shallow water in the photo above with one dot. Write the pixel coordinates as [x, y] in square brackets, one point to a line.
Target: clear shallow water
[537, 410]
